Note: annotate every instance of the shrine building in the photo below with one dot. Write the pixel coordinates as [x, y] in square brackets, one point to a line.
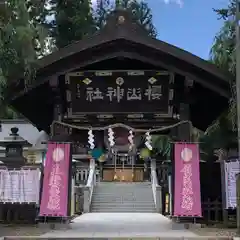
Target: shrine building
[121, 76]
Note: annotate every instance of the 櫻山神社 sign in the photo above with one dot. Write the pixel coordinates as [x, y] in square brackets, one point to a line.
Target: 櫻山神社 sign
[119, 92]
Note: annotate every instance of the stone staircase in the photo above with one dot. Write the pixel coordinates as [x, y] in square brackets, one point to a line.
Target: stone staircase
[123, 197]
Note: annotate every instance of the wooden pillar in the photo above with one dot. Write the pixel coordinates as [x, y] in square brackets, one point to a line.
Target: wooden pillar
[54, 83]
[100, 171]
[184, 130]
[181, 133]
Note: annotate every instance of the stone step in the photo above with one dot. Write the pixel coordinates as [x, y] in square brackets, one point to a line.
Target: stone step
[124, 210]
[123, 206]
[145, 190]
[116, 191]
[125, 183]
[117, 195]
[96, 190]
[132, 198]
[123, 187]
[123, 197]
[95, 200]
[125, 202]
[122, 190]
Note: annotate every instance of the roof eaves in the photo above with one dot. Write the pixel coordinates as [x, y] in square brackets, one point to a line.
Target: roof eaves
[183, 55]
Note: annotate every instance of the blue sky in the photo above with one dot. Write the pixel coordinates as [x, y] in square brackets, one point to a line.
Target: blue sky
[191, 26]
[188, 24]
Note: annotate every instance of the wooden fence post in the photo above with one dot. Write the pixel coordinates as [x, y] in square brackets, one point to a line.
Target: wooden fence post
[208, 204]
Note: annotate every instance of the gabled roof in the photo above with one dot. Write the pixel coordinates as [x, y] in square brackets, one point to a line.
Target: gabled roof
[121, 37]
[121, 27]
[131, 31]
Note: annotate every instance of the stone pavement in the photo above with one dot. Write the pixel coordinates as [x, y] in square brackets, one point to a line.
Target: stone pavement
[112, 225]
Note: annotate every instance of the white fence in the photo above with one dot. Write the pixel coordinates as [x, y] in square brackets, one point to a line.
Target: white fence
[81, 176]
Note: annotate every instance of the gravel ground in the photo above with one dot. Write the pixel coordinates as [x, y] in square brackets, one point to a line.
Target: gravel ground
[33, 230]
[208, 231]
[21, 230]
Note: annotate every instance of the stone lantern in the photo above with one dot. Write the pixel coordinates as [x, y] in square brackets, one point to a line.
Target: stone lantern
[14, 145]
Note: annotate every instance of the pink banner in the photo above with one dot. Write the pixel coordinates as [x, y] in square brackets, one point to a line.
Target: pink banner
[54, 200]
[187, 196]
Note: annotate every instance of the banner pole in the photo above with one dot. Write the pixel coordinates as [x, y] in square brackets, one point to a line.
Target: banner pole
[170, 194]
[172, 179]
[70, 173]
[237, 19]
[238, 202]
[224, 192]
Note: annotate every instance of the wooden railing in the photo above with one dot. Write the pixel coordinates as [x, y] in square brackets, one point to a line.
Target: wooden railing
[81, 175]
[18, 213]
[213, 213]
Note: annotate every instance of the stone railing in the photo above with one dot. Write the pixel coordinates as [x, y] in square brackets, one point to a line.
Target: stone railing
[156, 188]
[81, 175]
[88, 188]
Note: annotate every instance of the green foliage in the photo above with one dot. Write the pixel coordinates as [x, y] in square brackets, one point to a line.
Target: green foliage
[222, 133]
[20, 39]
[141, 13]
[72, 21]
[101, 12]
[76, 19]
[223, 50]
[20, 44]
[162, 145]
[228, 12]
[219, 135]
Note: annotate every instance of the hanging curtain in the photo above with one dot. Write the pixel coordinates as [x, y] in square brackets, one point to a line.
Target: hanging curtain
[15, 177]
[21, 186]
[7, 188]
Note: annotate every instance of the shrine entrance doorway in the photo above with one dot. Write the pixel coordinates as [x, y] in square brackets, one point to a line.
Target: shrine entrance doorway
[123, 169]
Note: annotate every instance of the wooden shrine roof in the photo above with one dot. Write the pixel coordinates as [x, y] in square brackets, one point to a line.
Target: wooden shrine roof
[120, 38]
